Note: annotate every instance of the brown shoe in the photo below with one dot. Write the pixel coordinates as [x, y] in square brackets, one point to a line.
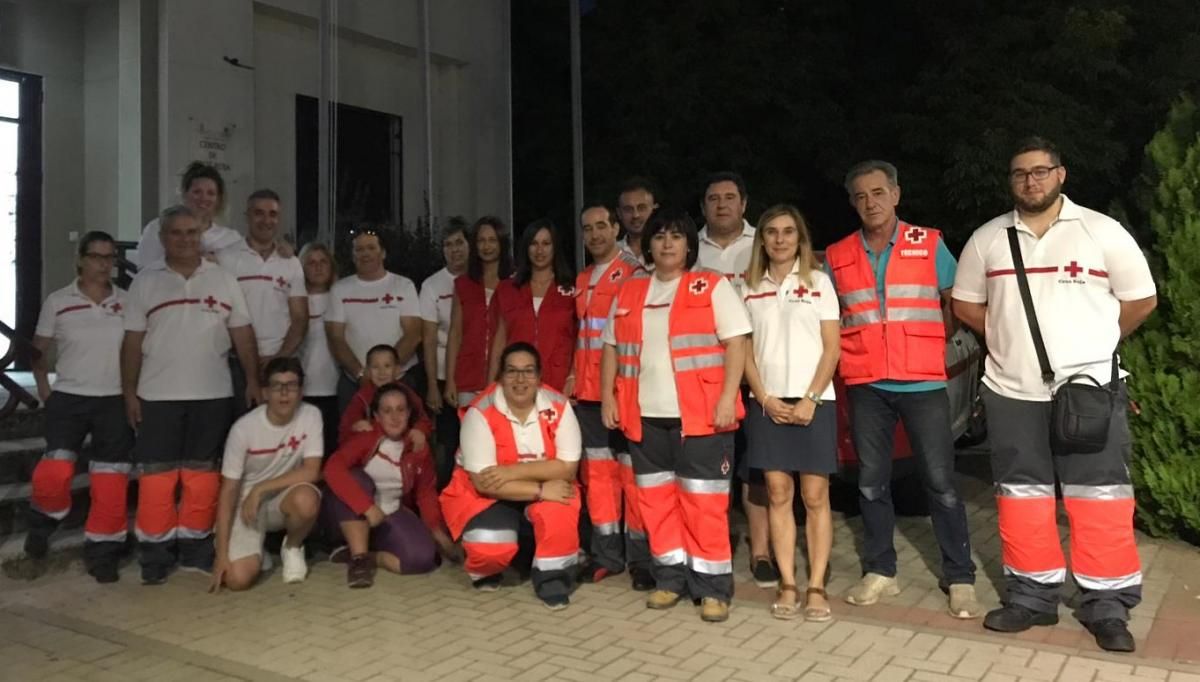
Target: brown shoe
[713, 610]
[360, 572]
[662, 599]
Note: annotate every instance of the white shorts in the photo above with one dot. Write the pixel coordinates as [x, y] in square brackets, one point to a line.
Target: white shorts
[246, 541]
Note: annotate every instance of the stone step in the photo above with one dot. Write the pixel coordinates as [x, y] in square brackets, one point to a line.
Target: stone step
[24, 423]
[18, 457]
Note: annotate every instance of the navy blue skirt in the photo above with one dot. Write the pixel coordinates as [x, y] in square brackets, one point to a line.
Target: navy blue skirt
[808, 449]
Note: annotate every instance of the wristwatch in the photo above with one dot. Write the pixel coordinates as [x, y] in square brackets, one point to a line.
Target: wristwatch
[812, 395]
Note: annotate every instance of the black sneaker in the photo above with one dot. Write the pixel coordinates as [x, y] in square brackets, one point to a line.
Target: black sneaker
[557, 603]
[642, 579]
[196, 556]
[37, 544]
[104, 572]
[489, 583]
[154, 574]
[360, 572]
[1111, 635]
[764, 571]
[1017, 618]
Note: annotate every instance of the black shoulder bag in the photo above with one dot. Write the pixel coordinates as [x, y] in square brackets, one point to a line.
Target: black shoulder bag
[1081, 409]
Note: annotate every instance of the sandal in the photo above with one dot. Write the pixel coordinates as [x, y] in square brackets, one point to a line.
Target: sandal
[785, 611]
[817, 614]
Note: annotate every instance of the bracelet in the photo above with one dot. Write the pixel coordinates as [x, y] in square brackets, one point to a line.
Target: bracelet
[812, 395]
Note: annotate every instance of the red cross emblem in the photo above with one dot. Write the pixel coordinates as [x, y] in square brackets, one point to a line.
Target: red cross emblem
[550, 414]
[566, 291]
[616, 275]
[281, 282]
[117, 307]
[210, 302]
[800, 291]
[915, 235]
[1072, 270]
[698, 287]
[293, 443]
[388, 298]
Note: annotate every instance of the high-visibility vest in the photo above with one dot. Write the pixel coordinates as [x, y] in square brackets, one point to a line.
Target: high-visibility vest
[460, 501]
[551, 329]
[592, 304]
[470, 372]
[910, 344]
[697, 355]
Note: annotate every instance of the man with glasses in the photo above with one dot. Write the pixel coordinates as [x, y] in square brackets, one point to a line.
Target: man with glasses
[271, 465]
[84, 321]
[371, 307]
[892, 279]
[1090, 287]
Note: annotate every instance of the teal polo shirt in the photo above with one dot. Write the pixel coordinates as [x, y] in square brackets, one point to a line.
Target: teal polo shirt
[946, 267]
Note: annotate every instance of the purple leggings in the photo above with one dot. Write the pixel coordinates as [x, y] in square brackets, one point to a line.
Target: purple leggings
[402, 532]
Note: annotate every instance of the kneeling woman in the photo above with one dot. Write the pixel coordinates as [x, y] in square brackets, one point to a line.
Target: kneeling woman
[520, 447]
[674, 349]
[384, 497]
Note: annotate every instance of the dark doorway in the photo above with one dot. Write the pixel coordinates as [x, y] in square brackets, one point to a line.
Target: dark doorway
[20, 203]
[368, 168]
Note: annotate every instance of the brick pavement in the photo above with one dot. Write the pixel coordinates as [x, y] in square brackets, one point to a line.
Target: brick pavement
[63, 626]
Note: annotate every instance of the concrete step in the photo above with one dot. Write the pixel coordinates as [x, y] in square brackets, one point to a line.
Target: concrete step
[18, 457]
[24, 423]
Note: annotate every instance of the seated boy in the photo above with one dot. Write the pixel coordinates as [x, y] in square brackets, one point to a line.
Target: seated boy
[383, 368]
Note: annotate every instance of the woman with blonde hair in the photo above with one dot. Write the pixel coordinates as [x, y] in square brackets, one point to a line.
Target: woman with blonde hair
[791, 423]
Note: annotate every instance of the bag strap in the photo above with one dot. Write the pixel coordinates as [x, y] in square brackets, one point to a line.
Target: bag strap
[1030, 314]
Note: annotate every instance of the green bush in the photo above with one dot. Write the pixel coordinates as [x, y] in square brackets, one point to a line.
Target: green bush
[1164, 357]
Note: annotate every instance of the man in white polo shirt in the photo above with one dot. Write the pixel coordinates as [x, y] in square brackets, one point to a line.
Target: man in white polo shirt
[272, 462]
[1090, 286]
[184, 314]
[726, 242]
[371, 307]
[635, 203]
[272, 282]
[84, 321]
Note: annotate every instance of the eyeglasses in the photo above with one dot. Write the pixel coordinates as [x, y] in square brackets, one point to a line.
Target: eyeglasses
[1038, 173]
[284, 386]
[520, 372]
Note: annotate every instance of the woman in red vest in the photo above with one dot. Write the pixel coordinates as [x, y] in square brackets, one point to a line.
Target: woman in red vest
[520, 446]
[674, 349]
[469, 338]
[537, 306]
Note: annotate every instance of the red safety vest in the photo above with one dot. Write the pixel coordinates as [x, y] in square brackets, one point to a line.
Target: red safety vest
[592, 304]
[910, 345]
[551, 329]
[696, 353]
[461, 502]
[470, 372]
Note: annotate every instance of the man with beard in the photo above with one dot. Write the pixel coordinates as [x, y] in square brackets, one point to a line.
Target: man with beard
[1090, 286]
[635, 203]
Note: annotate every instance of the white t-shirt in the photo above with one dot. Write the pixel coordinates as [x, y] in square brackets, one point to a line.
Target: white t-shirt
[371, 311]
[87, 337]
[215, 238]
[257, 450]
[320, 371]
[187, 323]
[657, 396]
[1079, 272]
[385, 472]
[731, 261]
[478, 445]
[267, 284]
[437, 300]
[787, 331]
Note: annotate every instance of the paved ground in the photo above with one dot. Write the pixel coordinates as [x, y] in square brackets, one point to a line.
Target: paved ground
[63, 626]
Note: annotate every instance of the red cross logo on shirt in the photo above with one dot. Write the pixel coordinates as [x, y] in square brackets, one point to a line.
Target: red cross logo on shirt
[281, 282]
[915, 235]
[293, 443]
[210, 302]
[800, 291]
[1072, 270]
[388, 298]
[566, 291]
[698, 287]
[117, 307]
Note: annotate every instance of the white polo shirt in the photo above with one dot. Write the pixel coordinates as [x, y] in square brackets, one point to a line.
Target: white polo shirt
[87, 338]
[437, 299]
[731, 261]
[372, 310]
[215, 238]
[478, 445]
[787, 330]
[267, 284]
[1079, 272]
[657, 396]
[320, 370]
[187, 323]
[257, 450]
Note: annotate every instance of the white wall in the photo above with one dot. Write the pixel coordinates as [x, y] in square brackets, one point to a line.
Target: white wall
[100, 117]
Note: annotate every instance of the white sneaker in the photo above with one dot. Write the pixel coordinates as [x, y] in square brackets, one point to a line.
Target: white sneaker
[870, 588]
[294, 567]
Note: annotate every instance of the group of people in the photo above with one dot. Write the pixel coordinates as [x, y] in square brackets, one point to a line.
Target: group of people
[632, 393]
